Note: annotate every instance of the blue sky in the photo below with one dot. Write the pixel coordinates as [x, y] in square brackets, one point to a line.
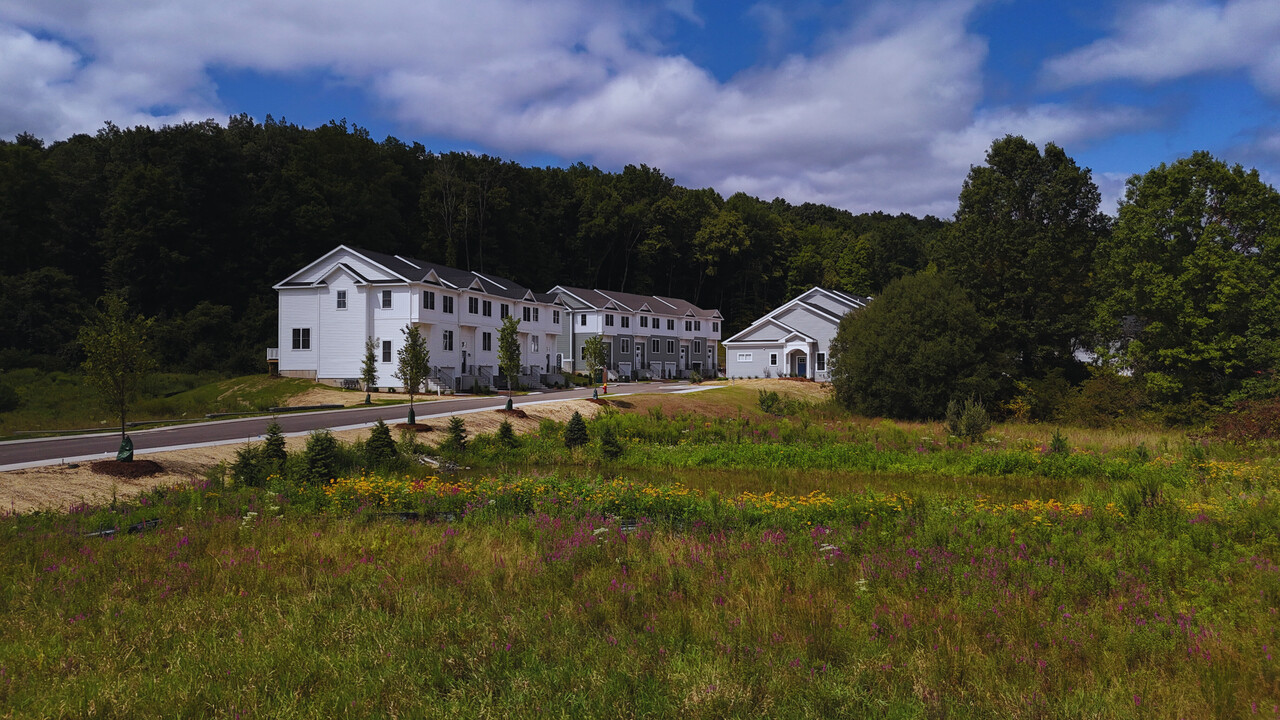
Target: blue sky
[862, 105]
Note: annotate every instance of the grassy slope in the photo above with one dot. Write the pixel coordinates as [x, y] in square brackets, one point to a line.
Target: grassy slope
[61, 401]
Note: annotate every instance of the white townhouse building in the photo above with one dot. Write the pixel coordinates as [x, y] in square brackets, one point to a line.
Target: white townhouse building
[647, 336]
[330, 307]
[793, 340]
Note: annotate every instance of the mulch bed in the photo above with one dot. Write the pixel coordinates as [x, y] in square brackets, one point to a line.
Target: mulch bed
[514, 412]
[134, 469]
[416, 427]
[598, 401]
[795, 379]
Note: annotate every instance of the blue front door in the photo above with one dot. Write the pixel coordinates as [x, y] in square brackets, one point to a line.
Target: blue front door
[800, 367]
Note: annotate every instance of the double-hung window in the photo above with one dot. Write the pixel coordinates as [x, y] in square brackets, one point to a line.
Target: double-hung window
[697, 347]
[473, 306]
[644, 321]
[715, 327]
[386, 351]
[447, 302]
[655, 346]
[822, 362]
[428, 300]
[626, 346]
[697, 326]
[608, 320]
[526, 313]
[487, 310]
[671, 324]
[342, 299]
[688, 326]
[486, 341]
[446, 341]
[555, 317]
[504, 310]
[626, 321]
[582, 319]
[386, 299]
[302, 338]
[671, 347]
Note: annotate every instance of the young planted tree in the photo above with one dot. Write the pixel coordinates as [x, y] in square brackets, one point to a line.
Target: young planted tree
[369, 368]
[509, 350]
[594, 356]
[413, 364]
[117, 358]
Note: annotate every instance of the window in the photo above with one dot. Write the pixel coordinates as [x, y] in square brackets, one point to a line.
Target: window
[644, 321]
[697, 326]
[555, 316]
[608, 320]
[302, 338]
[671, 324]
[656, 323]
[715, 327]
[535, 314]
[386, 351]
[626, 346]
[446, 340]
[822, 362]
[486, 341]
[744, 357]
[428, 300]
[386, 299]
[671, 347]
[773, 358]
[342, 299]
[533, 343]
[448, 304]
[504, 310]
[626, 321]
[697, 347]
[528, 313]
[584, 353]
[655, 346]
[583, 319]
[488, 308]
[688, 326]
[473, 306]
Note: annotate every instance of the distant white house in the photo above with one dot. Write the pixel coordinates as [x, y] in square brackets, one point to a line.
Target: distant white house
[793, 340]
[330, 307]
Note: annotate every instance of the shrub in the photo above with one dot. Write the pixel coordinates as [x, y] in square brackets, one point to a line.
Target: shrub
[769, 402]
[507, 435]
[320, 459]
[548, 429]
[610, 447]
[250, 468]
[575, 433]
[9, 399]
[968, 420]
[380, 449]
[1250, 421]
[456, 436]
[695, 377]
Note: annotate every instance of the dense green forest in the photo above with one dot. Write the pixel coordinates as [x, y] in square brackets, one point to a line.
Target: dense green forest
[194, 223]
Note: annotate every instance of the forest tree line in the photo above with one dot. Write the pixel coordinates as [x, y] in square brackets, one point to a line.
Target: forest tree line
[192, 224]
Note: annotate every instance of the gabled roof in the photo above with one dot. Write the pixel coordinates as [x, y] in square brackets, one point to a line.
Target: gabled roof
[768, 321]
[803, 300]
[631, 302]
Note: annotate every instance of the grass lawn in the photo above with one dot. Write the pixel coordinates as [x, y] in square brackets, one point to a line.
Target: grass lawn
[1148, 588]
[61, 401]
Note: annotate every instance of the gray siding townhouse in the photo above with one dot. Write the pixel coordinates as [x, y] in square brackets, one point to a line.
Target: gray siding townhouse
[647, 336]
[794, 340]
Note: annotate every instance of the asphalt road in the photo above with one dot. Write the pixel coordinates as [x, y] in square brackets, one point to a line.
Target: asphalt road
[53, 450]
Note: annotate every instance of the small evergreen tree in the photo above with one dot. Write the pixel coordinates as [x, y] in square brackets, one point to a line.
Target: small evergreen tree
[273, 446]
[610, 447]
[575, 433]
[456, 438]
[369, 368]
[379, 448]
[507, 435]
[250, 468]
[321, 456]
[969, 421]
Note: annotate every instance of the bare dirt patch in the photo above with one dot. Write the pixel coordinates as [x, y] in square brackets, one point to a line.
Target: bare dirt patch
[416, 427]
[132, 469]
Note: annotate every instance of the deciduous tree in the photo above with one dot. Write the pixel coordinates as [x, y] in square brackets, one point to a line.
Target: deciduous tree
[117, 354]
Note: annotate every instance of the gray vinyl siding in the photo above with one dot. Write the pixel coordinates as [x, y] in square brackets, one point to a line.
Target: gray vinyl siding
[759, 361]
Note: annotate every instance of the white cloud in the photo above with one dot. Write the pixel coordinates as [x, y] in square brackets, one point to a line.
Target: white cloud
[882, 115]
[1157, 42]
